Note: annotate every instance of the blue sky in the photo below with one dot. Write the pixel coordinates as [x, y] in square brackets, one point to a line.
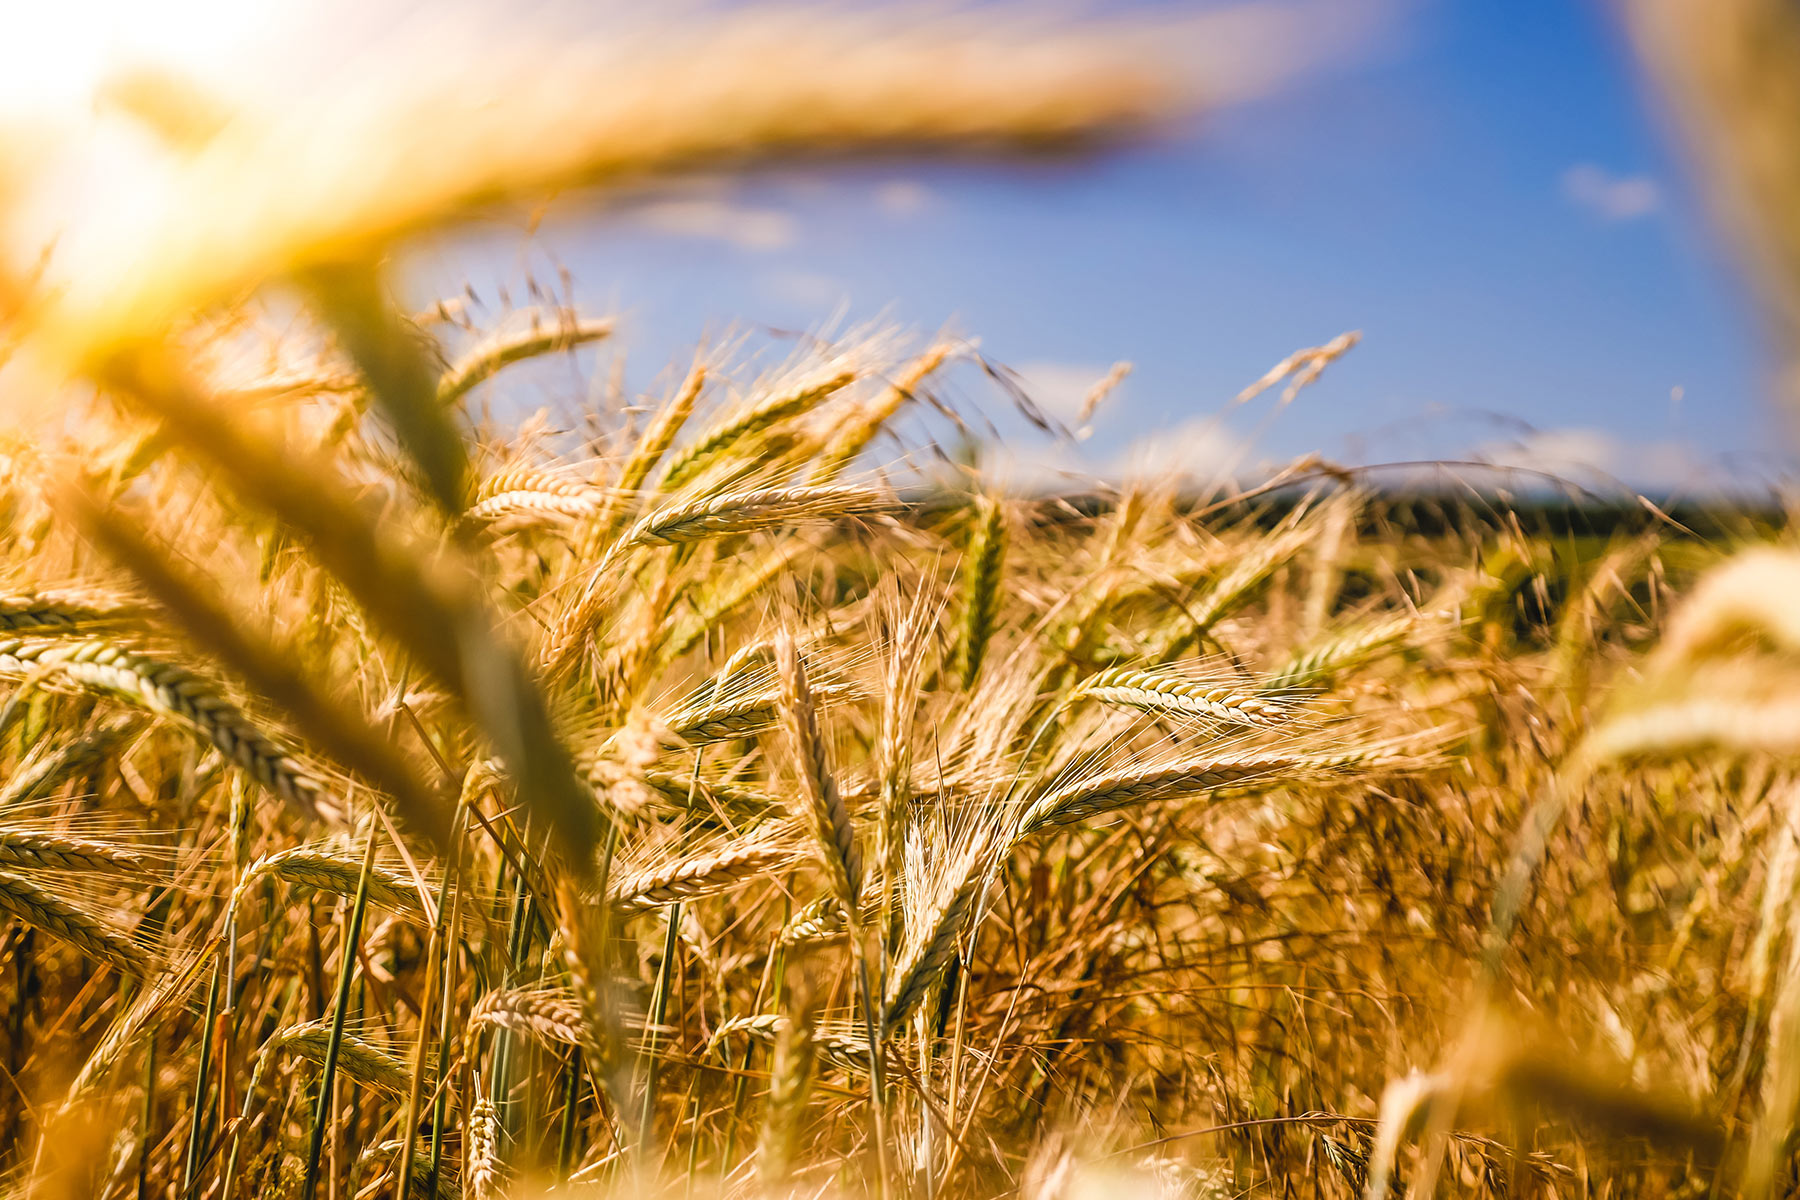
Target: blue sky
[1484, 193]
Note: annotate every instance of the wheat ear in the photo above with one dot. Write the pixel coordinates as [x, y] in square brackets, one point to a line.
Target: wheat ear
[822, 810]
[490, 357]
[1160, 690]
[700, 796]
[338, 874]
[36, 778]
[166, 688]
[820, 921]
[362, 1060]
[744, 512]
[483, 1167]
[790, 1081]
[54, 851]
[60, 614]
[1319, 663]
[843, 1049]
[31, 904]
[597, 533]
[906, 656]
[1122, 789]
[981, 586]
[778, 407]
[868, 421]
[1233, 585]
[538, 494]
[175, 986]
[919, 968]
[714, 606]
[550, 1014]
[699, 875]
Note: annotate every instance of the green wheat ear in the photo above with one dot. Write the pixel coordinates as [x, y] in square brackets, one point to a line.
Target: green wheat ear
[984, 558]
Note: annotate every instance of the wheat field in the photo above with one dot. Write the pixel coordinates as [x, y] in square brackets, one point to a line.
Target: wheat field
[722, 791]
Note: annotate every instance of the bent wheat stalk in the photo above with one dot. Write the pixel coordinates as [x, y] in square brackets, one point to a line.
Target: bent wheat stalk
[704, 874]
[338, 874]
[31, 904]
[554, 1015]
[163, 687]
[1121, 789]
[489, 358]
[361, 1060]
[58, 852]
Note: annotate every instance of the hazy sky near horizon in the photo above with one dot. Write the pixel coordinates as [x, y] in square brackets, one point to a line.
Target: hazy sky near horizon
[1479, 186]
[1485, 192]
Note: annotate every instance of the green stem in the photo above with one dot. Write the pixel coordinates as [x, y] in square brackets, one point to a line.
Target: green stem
[659, 1011]
[328, 1075]
[565, 1151]
[410, 1126]
[197, 1129]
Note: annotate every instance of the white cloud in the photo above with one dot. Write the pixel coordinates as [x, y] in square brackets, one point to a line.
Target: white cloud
[1031, 467]
[1198, 452]
[1590, 454]
[1056, 387]
[1061, 388]
[1200, 449]
[1611, 197]
[740, 225]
